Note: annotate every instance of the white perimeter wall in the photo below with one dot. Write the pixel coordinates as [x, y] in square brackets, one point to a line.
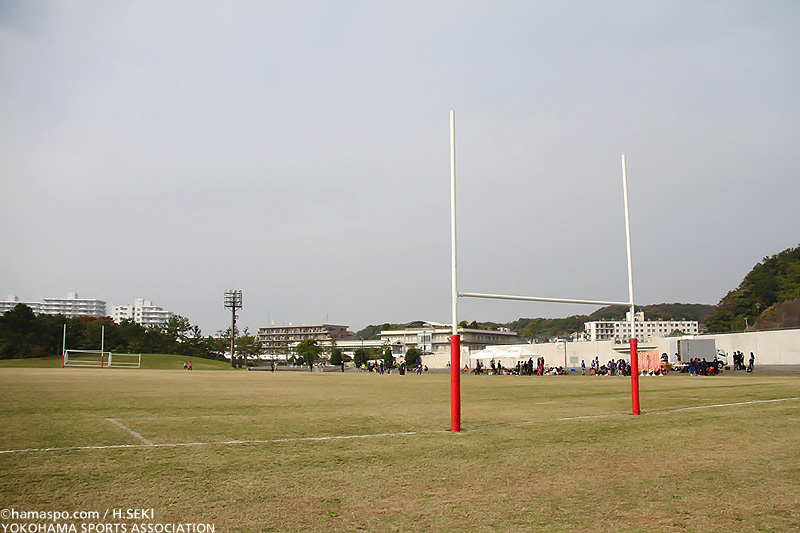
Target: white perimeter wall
[770, 348]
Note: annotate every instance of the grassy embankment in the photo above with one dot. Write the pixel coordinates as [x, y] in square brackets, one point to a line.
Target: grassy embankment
[150, 361]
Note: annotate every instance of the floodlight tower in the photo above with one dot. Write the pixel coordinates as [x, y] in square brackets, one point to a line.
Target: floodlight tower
[233, 301]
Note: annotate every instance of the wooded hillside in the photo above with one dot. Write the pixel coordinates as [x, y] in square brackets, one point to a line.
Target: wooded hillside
[772, 287]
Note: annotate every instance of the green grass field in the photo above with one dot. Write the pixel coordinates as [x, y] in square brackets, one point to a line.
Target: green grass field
[257, 451]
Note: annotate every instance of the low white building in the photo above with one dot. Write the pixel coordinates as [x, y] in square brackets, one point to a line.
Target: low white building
[142, 312]
[433, 340]
[620, 330]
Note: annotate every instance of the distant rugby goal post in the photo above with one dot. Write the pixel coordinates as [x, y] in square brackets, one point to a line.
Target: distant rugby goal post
[99, 359]
[87, 358]
[125, 360]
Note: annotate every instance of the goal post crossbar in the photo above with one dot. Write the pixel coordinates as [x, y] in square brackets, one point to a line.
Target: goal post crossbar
[538, 299]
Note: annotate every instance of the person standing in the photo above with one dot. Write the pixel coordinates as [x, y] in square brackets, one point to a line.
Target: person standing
[583, 367]
[752, 361]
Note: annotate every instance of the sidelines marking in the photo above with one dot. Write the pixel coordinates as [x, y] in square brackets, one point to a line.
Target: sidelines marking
[225, 442]
[129, 430]
[678, 409]
[147, 444]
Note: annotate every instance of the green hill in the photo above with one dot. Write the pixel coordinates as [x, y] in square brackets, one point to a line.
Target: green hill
[772, 288]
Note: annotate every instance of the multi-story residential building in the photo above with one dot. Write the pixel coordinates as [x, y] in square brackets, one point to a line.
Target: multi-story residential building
[12, 302]
[276, 339]
[620, 330]
[72, 306]
[142, 312]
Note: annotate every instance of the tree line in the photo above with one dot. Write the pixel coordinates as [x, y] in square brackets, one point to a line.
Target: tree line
[25, 334]
[309, 351]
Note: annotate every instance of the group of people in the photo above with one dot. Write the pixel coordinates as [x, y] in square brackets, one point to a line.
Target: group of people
[522, 368]
[612, 368]
[382, 367]
[738, 361]
[701, 367]
[187, 365]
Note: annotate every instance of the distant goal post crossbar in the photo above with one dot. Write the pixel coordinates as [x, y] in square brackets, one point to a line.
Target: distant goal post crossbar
[455, 340]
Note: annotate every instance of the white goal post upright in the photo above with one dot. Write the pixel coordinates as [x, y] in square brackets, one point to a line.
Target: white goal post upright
[632, 338]
[455, 340]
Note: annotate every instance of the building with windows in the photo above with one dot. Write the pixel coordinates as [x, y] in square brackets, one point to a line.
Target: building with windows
[434, 339]
[72, 306]
[142, 312]
[277, 339]
[12, 302]
[620, 330]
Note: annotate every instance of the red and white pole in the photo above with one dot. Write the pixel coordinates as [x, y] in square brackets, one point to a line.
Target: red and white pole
[455, 340]
[634, 342]
[455, 383]
[634, 377]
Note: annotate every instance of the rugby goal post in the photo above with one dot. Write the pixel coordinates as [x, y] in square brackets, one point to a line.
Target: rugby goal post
[86, 358]
[455, 339]
[124, 360]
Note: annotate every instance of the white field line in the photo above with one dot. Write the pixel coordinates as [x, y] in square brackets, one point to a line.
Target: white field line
[195, 417]
[148, 444]
[224, 442]
[129, 430]
[680, 409]
[192, 417]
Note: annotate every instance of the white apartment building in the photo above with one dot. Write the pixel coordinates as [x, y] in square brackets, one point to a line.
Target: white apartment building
[620, 330]
[142, 312]
[12, 301]
[72, 306]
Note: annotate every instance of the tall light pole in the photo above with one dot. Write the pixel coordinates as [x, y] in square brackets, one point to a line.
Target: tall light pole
[233, 301]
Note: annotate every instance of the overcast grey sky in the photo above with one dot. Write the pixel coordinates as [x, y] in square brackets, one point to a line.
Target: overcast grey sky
[299, 151]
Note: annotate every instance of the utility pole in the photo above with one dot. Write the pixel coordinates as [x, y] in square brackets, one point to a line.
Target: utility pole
[758, 318]
[233, 301]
